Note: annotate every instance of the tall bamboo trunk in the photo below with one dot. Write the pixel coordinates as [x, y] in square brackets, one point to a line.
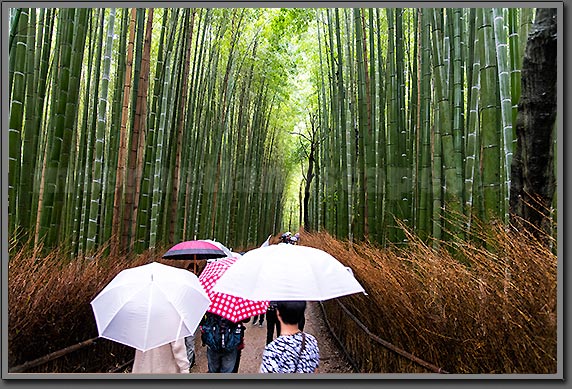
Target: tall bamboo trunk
[96, 184]
[124, 133]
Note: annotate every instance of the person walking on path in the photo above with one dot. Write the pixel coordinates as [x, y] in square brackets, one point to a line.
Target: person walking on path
[166, 359]
[259, 318]
[294, 351]
[222, 338]
[271, 322]
[240, 346]
[190, 346]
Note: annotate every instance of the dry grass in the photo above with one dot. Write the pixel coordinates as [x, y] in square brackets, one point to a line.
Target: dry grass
[48, 309]
[495, 314]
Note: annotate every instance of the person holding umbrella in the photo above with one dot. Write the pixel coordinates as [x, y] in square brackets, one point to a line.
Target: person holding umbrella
[223, 326]
[294, 351]
[290, 275]
[166, 359]
[222, 338]
[152, 308]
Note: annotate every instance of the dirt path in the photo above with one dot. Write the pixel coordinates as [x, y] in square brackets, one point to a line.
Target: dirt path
[331, 360]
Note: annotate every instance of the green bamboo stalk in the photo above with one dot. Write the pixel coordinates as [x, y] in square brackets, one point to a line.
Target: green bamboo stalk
[490, 119]
[458, 107]
[343, 220]
[526, 20]
[207, 154]
[381, 138]
[392, 141]
[360, 227]
[176, 221]
[225, 95]
[414, 113]
[403, 157]
[372, 167]
[92, 136]
[55, 143]
[158, 180]
[73, 110]
[192, 144]
[44, 42]
[16, 28]
[451, 154]
[127, 211]
[325, 185]
[116, 146]
[17, 101]
[508, 138]
[351, 128]
[30, 134]
[424, 212]
[85, 136]
[174, 137]
[137, 141]
[199, 160]
[472, 130]
[515, 55]
[93, 230]
[175, 54]
[334, 222]
[76, 53]
[146, 191]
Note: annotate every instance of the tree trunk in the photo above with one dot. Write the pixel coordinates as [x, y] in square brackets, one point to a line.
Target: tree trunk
[310, 173]
[533, 180]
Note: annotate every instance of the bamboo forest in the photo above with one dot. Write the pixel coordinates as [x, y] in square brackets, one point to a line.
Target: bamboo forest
[160, 125]
[418, 146]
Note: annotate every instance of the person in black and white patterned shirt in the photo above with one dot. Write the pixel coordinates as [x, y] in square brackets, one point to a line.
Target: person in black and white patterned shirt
[293, 351]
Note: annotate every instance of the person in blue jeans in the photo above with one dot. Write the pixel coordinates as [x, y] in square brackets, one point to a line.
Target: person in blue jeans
[223, 361]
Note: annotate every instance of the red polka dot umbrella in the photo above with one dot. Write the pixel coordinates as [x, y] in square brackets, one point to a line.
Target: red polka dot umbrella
[231, 307]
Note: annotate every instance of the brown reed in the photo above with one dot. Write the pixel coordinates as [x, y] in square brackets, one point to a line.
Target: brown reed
[49, 310]
[495, 312]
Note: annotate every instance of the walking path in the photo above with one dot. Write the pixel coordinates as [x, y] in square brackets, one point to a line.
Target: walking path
[331, 360]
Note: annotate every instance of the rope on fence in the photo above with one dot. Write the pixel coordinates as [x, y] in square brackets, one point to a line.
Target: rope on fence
[391, 347]
[56, 354]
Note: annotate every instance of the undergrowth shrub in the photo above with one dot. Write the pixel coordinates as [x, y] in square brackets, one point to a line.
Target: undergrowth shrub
[483, 305]
[49, 309]
[492, 312]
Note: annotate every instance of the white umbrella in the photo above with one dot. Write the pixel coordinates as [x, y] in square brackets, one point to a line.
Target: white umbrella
[267, 241]
[287, 272]
[225, 249]
[151, 305]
